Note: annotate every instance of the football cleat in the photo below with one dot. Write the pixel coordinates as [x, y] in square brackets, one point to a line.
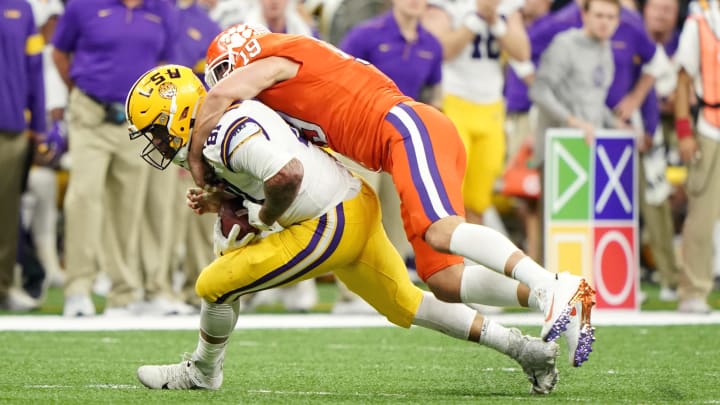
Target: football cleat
[580, 337]
[567, 304]
[183, 376]
[537, 359]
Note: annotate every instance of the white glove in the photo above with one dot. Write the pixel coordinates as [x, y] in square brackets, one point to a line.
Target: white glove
[254, 218]
[223, 245]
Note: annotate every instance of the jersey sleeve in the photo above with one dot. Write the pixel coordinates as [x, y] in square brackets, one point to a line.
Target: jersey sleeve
[247, 148]
[355, 43]
[68, 28]
[687, 55]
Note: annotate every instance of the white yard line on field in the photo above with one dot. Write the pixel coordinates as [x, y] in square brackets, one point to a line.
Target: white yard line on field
[311, 321]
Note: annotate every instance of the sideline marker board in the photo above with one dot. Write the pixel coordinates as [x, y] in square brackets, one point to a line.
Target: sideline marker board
[591, 212]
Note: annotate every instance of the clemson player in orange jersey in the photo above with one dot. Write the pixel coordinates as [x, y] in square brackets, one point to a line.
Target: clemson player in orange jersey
[350, 106]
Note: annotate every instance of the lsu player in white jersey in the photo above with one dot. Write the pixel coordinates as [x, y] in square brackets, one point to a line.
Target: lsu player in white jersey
[474, 35]
[317, 216]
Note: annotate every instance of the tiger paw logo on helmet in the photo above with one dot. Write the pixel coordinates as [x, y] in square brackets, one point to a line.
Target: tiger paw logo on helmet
[230, 48]
[238, 35]
[161, 108]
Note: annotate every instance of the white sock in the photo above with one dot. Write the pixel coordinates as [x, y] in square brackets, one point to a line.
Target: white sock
[495, 336]
[451, 319]
[480, 285]
[530, 273]
[483, 245]
[217, 321]
[492, 249]
[533, 302]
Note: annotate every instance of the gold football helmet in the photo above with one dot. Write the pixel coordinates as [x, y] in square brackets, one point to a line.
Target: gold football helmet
[161, 107]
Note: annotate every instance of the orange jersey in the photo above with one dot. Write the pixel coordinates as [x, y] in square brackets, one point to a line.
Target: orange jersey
[334, 99]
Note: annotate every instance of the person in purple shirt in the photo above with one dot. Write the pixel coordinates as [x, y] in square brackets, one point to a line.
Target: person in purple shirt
[197, 29]
[632, 49]
[519, 129]
[21, 87]
[400, 47]
[101, 48]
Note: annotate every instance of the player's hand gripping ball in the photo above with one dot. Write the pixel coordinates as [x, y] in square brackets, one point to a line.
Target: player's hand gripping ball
[232, 212]
[232, 228]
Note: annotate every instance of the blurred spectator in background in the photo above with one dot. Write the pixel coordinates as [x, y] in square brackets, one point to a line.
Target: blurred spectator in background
[637, 61]
[575, 74]
[40, 200]
[696, 56]
[227, 12]
[101, 48]
[279, 16]
[21, 88]
[519, 129]
[473, 34]
[661, 18]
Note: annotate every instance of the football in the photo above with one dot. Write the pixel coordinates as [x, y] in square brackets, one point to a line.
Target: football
[233, 212]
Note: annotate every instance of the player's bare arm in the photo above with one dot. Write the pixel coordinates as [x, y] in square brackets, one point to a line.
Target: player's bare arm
[281, 190]
[438, 22]
[632, 101]
[62, 62]
[203, 202]
[687, 144]
[242, 84]
[515, 40]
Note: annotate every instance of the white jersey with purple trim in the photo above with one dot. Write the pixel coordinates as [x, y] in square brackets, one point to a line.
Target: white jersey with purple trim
[251, 143]
[476, 74]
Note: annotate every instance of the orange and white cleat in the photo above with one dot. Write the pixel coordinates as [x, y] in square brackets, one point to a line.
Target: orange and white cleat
[567, 303]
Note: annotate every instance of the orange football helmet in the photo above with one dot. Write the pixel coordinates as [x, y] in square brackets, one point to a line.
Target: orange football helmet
[230, 49]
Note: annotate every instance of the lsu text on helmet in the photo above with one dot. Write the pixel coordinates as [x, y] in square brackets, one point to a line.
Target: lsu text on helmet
[161, 107]
[230, 49]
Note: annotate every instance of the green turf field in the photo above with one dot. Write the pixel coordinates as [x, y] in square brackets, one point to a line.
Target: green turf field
[632, 365]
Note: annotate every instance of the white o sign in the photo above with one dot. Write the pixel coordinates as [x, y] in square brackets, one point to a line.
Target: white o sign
[619, 238]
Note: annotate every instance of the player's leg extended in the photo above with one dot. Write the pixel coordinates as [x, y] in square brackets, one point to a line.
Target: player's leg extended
[379, 277]
[203, 368]
[427, 165]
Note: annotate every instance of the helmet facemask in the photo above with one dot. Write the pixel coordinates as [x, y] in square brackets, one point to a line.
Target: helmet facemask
[219, 70]
[161, 108]
[162, 146]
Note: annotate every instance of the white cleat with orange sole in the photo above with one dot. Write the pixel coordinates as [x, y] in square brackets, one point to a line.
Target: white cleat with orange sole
[567, 303]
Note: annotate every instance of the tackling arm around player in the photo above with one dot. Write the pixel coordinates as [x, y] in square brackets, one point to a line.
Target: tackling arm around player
[329, 223]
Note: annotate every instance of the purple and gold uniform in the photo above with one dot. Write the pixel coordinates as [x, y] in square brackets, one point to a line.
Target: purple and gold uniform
[411, 65]
[331, 225]
[22, 69]
[21, 87]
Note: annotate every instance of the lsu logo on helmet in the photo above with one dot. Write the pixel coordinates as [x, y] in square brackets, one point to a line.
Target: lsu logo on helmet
[161, 107]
